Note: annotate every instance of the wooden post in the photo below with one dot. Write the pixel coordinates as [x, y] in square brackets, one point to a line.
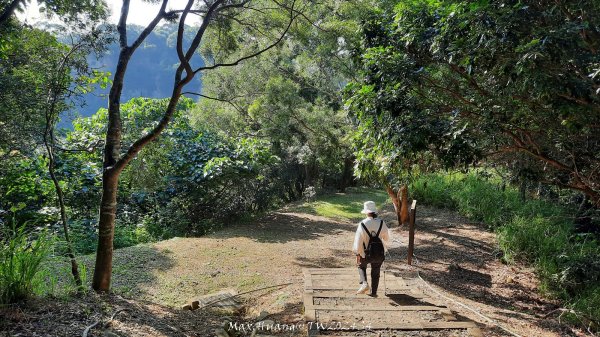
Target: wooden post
[411, 231]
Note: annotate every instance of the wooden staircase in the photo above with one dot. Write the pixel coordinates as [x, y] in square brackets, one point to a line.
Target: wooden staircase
[332, 307]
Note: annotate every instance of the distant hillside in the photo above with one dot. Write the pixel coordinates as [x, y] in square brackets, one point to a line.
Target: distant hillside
[150, 72]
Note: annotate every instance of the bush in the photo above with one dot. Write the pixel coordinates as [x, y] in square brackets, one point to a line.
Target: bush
[20, 263]
[529, 239]
[537, 232]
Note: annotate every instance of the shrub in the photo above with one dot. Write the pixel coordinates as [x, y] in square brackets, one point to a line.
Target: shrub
[529, 239]
[20, 262]
[536, 231]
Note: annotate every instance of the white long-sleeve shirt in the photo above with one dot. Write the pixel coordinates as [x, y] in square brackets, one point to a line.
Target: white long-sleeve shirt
[362, 237]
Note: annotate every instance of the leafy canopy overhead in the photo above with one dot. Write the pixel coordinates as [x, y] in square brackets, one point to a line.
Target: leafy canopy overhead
[511, 80]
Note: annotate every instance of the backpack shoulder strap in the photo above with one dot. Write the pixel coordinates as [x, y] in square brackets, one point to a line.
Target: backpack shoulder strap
[379, 230]
[369, 234]
[366, 230]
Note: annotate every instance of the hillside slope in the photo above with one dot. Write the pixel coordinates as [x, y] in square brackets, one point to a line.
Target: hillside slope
[455, 257]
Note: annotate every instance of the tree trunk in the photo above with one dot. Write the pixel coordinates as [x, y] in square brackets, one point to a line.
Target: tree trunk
[106, 230]
[347, 174]
[114, 161]
[404, 216]
[110, 178]
[61, 205]
[396, 201]
[523, 190]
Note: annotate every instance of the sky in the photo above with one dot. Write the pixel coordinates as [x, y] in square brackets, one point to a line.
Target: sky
[140, 13]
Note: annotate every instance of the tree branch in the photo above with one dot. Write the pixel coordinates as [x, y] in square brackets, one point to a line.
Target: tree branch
[182, 59]
[159, 16]
[137, 146]
[185, 59]
[521, 146]
[213, 98]
[231, 64]
[122, 25]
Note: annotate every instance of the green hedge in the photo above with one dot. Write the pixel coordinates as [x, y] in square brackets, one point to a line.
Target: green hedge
[536, 232]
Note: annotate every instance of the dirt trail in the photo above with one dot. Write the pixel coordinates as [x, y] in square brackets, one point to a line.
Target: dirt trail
[454, 256]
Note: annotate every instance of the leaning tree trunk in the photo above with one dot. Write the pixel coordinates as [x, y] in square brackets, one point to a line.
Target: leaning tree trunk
[400, 201]
[404, 216]
[396, 201]
[61, 205]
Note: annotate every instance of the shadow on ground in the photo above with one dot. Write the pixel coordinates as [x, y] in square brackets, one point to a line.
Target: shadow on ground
[280, 227]
[340, 259]
[102, 315]
[448, 256]
[133, 268]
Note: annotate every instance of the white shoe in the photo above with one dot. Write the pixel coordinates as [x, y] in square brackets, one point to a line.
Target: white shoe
[364, 288]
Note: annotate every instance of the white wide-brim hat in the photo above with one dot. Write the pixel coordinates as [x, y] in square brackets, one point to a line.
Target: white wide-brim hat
[369, 207]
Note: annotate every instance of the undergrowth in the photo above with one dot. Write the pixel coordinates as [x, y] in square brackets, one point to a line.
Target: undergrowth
[21, 262]
[537, 232]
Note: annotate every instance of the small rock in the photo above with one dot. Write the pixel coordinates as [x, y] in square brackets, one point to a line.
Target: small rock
[186, 307]
[263, 314]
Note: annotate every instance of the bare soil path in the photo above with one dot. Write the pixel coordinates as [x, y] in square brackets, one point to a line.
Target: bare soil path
[457, 258]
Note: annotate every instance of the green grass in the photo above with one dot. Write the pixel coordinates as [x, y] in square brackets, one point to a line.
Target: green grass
[536, 232]
[21, 261]
[344, 206]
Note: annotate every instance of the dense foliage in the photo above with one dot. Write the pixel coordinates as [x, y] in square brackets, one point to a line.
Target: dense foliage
[186, 183]
[298, 109]
[510, 85]
[515, 82]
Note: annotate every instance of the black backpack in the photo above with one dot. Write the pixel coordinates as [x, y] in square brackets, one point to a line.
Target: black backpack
[374, 251]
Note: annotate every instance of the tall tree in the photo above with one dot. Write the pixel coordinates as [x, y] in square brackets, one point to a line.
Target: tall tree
[300, 107]
[68, 78]
[217, 13]
[506, 78]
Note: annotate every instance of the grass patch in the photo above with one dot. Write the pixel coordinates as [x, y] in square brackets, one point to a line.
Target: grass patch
[537, 232]
[21, 262]
[343, 206]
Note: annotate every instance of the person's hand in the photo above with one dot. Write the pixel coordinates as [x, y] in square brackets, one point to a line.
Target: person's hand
[357, 260]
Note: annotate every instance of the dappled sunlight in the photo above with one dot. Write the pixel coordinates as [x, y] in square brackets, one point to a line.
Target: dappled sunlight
[343, 206]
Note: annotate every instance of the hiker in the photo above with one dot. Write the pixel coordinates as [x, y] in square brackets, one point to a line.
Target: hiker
[369, 249]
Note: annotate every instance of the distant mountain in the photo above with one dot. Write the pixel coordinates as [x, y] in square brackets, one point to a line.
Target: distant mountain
[150, 72]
